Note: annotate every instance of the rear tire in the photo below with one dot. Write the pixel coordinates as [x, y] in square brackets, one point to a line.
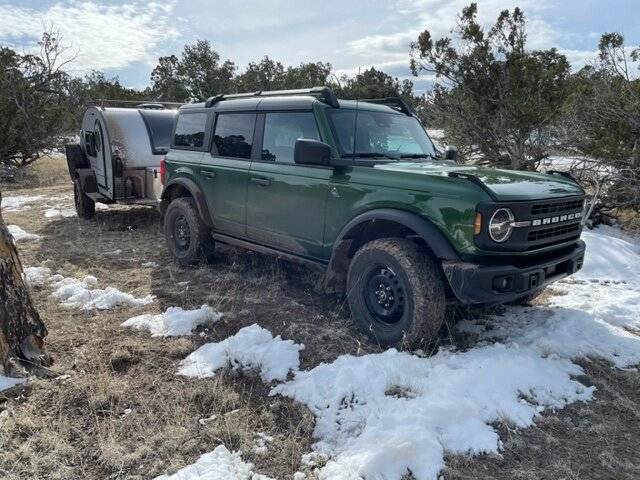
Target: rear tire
[188, 238]
[396, 292]
[85, 206]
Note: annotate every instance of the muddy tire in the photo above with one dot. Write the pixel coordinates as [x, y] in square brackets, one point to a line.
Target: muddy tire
[396, 293]
[527, 299]
[188, 238]
[85, 206]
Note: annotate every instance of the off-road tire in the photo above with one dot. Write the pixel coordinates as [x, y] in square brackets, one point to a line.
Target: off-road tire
[85, 206]
[199, 246]
[423, 290]
[527, 299]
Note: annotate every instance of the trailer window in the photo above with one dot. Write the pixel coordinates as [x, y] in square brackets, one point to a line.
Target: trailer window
[159, 125]
[190, 130]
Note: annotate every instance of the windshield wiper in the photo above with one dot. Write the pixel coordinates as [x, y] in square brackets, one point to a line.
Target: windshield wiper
[419, 155]
[370, 155]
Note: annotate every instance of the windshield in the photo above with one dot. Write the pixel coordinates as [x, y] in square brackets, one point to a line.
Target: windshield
[379, 134]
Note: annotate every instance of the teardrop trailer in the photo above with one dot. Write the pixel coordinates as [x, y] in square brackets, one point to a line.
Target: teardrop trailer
[118, 156]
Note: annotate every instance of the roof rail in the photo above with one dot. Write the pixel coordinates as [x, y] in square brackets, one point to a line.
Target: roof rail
[146, 104]
[324, 94]
[396, 103]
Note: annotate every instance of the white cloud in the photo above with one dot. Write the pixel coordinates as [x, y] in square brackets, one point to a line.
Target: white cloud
[103, 37]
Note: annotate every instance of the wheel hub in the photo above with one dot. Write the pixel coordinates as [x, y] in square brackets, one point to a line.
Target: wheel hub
[182, 233]
[384, 294]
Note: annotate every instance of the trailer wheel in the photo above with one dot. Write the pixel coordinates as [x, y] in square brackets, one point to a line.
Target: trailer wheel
[188, 238]
[85, 207]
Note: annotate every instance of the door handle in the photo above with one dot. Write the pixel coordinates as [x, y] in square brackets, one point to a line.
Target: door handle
[261, 181]
[208, 173]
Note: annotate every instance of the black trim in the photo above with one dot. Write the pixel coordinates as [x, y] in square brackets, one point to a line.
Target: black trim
[324, 94]
[426, 230]
[196, 193]
[473, 283]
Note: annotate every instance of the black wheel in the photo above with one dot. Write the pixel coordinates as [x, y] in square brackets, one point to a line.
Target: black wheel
[527, 299]
[396, 292]
[85, 207]
[188, 238]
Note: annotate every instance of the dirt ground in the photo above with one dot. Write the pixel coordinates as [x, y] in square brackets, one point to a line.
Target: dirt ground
[114, 408]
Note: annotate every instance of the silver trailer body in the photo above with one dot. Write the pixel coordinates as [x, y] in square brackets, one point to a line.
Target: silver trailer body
[124, 147]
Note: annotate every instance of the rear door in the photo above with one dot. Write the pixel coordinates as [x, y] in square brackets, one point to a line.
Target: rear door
[286, 201]
[224, 170]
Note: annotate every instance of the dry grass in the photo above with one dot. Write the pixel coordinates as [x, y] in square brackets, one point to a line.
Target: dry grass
[124, 413]
[46, 171]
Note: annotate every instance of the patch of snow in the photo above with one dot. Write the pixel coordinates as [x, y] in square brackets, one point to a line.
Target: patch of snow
[150, 265]
[36, 276]
[174, 321]
[19, 234]
[114, 252]
[262, 442]
[102, 206]
[252, 347]
[299, 476]
[81, 294]
[220, 464]
[19, 202]
[204, 421]
[380, 415]
[8, 382]
[59, 212]
[610, 257]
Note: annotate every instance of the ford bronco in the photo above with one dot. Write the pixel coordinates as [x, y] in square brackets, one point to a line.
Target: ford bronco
[359, 189]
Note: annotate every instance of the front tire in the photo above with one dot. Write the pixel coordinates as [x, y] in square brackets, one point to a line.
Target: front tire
[85, 206]
[188, 238]
[396, 292]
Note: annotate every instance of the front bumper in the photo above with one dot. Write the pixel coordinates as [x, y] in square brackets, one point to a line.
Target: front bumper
[473, 283]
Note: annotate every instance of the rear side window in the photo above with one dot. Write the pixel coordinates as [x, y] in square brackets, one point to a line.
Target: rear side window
[159, 124]
[233, 136]
[190, 130]
[282, 129]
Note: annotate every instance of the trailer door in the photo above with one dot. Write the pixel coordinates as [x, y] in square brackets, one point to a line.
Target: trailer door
[101, 155]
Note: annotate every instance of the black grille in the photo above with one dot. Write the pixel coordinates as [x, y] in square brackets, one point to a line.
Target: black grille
[552, 232]
[556, 207]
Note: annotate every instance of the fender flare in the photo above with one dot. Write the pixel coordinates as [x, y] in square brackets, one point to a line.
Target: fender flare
[195, 191]
[335, 277]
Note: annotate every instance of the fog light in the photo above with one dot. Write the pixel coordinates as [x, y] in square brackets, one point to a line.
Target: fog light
[503, 283]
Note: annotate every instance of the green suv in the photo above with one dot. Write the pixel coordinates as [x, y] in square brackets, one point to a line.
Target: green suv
[359, 189]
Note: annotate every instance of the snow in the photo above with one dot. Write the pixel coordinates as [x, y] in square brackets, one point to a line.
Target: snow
[174, 321]
[150, 265]
[83, 295]
[252, 347]
[610, 257]
[220, 464]
[59, 212]
[8, 382]
[36, 276]
[380, 414]
[19, 234]
[19, 202]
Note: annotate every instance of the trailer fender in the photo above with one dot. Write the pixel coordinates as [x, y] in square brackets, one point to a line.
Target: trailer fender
[185, 187]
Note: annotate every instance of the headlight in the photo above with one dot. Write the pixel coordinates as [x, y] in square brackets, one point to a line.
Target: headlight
[500, 225]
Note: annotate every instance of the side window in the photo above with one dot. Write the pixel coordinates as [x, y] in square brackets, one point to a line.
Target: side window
[89, 144]
[233, 136]
[282, 129]
[190, 130]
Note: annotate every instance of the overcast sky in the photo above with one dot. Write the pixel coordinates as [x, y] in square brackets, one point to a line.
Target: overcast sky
[125, 38]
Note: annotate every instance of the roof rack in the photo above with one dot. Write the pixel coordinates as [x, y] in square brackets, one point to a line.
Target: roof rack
[396, 103]
[145, 104]
[324, 94]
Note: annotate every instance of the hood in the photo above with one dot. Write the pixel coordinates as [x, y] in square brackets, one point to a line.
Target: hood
[505, 185]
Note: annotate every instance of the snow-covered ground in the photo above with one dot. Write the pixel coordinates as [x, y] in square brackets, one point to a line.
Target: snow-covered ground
[220, 464]
[174, 321]
[19, 234]
[82, 294]
[253, 347]
[20, 202]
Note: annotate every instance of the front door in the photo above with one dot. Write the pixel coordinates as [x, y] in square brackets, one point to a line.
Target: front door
[286, 201]
[225, 169]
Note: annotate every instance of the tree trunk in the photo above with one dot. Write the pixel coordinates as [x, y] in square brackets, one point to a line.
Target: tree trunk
[22, 332]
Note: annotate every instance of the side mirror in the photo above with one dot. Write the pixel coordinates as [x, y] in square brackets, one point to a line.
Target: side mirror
[450, 153]
[311, 152]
